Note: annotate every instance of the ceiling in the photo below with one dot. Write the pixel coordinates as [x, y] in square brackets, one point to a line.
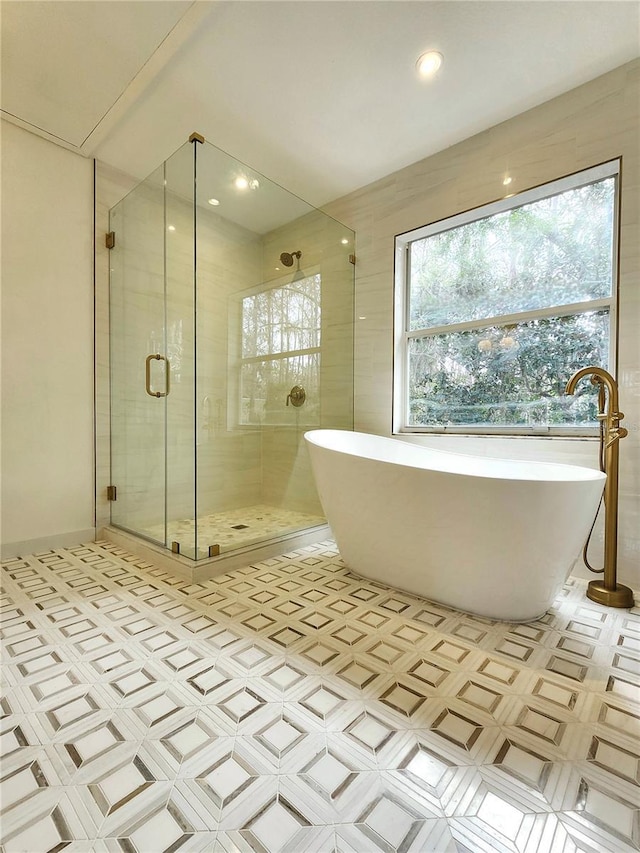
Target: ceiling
[319, 95]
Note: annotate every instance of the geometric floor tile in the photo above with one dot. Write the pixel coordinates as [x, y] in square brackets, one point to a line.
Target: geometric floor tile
[358, 674]
[616, 759]
[402, 698]
[241, 704]
[607, 810]
[230, 776]
[121, 785]
[188, 740]
[369, 731]
[72, 711]
[480, 696]
[555, 694]
[457, 728]
[157, 709]
[93, 744]
[290, 706]
[280, 736]
[328, 774]
[127, 685]
[277, 826]
[389, 823]
[427, 769]
[322, 701]
[20, 784]
[284, 676]
[48, 832]
[164, 829]
[542, 725]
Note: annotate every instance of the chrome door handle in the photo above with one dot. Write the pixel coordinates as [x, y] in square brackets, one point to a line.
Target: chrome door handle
[297, 395]
[167, 374]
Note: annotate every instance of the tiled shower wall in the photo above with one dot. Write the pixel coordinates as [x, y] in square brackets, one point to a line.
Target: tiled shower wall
[286, 468]
[592, 124]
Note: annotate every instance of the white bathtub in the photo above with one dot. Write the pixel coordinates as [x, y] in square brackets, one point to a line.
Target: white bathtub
[495, 537]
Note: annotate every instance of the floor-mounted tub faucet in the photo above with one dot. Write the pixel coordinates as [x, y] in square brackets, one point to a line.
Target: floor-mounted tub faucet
[607, 592]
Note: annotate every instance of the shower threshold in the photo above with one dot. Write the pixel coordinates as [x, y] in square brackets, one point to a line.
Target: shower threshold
[244, 535]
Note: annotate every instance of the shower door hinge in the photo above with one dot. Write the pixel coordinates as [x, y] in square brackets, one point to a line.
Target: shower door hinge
[110, 239]
[214, 550]
[352, 259]
[197, 137]
[175, 547]
[112, 493]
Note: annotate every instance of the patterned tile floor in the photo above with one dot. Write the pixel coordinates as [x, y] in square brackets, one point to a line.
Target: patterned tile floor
[234, 528]
[291, 706]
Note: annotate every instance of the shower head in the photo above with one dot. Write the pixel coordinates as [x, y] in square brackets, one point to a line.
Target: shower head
[286, 258]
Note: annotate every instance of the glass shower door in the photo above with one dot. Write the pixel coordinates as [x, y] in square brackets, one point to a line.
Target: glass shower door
[139, 371]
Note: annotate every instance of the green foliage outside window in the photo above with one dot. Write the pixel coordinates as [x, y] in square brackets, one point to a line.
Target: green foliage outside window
[544, 256]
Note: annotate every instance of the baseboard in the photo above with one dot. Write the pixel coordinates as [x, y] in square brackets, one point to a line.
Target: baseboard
[8, 550]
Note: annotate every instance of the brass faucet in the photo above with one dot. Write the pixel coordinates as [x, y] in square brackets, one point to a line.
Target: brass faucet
[607, 592]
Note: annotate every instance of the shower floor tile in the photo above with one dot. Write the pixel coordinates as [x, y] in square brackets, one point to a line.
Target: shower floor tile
[235, 528]
[292, 706]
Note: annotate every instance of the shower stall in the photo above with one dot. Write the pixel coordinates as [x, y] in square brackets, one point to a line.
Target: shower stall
[231, 334]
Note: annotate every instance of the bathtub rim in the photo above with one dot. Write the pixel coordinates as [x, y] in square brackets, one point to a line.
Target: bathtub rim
[571, 471]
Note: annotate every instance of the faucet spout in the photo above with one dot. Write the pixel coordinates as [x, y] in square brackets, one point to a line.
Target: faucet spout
[599, 376]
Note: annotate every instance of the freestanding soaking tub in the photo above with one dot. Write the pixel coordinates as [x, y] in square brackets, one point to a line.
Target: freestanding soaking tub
[495, 537]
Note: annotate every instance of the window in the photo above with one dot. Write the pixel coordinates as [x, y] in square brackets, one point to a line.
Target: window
[497, 307]
[280, 348]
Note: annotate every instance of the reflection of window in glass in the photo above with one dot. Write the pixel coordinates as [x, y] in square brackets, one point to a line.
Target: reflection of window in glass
[280, 349]
[499, 306]
[173, 344]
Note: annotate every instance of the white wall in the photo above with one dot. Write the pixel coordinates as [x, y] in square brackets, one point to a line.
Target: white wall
[47, 344]
[586, 126]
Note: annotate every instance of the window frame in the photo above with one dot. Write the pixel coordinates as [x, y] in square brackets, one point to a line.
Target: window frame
[403, 333]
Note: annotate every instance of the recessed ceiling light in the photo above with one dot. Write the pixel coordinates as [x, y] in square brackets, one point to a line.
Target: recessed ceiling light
[344, 241]
[171, 227]
[214, 202]
[507, 181]
[429, 63]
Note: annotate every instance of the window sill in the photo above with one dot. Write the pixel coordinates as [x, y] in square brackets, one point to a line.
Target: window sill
[573, 435]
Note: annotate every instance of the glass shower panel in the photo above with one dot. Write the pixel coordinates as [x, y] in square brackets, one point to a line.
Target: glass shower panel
[274, 311]
[137, 343]
[180, 282]
[228, 261]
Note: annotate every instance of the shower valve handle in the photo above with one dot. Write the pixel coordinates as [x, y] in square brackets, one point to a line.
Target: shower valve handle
[297, 395]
